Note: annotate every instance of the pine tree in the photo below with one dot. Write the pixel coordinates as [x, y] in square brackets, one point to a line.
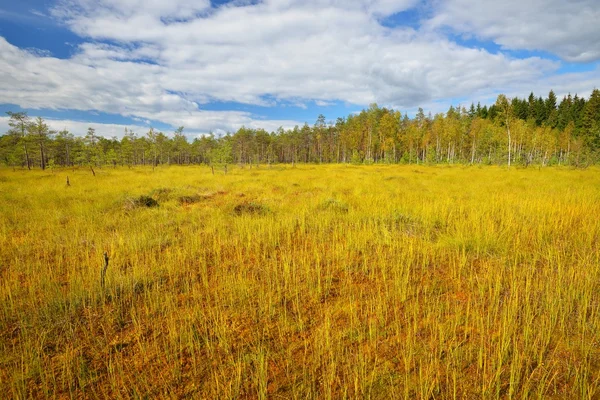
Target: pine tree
[591, 121]
[531, 109]
[484, 112]
[471, 113]
[40, 134]
[564, 112]
[551, 112]
[540, 111]
[520, 108]
[20, 123]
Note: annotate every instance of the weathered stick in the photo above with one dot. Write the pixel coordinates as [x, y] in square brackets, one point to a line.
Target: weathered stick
[68, 183]
[103, 272]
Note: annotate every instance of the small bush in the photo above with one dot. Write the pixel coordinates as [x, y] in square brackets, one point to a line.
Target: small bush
[250, 208]
[185, 200]
[146, 201]
[334, 205]
[142, 201]
[402, 219]
[162, 194]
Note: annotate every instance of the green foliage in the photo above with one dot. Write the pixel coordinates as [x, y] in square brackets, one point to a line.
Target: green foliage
[563, 131]
[356, 158]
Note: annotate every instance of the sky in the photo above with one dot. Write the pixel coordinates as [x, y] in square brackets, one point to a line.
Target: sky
[214, 66]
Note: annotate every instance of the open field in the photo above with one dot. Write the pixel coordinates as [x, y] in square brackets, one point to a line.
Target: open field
[310, 282]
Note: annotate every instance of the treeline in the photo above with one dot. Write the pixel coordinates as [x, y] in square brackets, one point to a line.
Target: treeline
[522, 131]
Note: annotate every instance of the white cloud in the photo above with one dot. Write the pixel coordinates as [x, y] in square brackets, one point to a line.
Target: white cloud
[79, 128]
[169, 57]
[217, 122]
[322, 103]
[123, 9]
[568, 29]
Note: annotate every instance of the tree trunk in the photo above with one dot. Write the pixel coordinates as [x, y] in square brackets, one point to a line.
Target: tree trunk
[43, 161]
[27, 156]
[508, 132]
[369, 148]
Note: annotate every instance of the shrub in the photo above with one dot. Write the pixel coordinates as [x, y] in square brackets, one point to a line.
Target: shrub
[142, 201]
[334, 205]
[184, 200]
[250, 208]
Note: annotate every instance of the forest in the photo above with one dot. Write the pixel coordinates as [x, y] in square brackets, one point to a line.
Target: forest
[535, 130]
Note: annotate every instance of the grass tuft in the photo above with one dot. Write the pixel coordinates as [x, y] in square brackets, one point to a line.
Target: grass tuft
[251, 207]
[189, 199]
[335, 205]
[141, 201]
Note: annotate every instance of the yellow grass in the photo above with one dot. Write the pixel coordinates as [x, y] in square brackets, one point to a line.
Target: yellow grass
[308, 282]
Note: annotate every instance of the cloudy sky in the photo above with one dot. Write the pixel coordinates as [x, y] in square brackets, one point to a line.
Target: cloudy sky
[218, 65]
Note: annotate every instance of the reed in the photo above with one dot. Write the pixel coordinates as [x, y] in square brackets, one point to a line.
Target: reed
[308, 282]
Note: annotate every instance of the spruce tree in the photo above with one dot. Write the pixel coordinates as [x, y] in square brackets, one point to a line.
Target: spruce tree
[551, 113]
[591, 121]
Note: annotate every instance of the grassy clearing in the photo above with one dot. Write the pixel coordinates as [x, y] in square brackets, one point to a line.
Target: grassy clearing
[312, 282]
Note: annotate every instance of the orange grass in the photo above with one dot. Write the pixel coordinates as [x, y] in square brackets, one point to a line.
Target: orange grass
[309, 282]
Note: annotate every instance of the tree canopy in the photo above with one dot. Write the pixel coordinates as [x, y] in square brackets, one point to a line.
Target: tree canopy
[521, 131]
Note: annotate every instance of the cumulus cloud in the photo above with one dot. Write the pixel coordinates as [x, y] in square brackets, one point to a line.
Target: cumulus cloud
[124, 9]
[220, 123]
[568, 29]
[164, 60]
[80, 127]
[580, 83]
[118, 87]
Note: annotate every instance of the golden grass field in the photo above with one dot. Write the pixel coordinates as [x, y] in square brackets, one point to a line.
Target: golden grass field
[311, 282]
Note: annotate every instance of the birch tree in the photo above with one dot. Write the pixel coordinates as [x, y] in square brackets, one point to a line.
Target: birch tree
[505, 114]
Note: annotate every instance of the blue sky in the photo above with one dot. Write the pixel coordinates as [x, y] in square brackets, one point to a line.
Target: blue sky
[218, 65]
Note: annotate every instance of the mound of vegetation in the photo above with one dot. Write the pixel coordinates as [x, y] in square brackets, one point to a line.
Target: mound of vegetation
[334, 205]
[250, 208]
[140, 202]
[161, 194]
[189, 199]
